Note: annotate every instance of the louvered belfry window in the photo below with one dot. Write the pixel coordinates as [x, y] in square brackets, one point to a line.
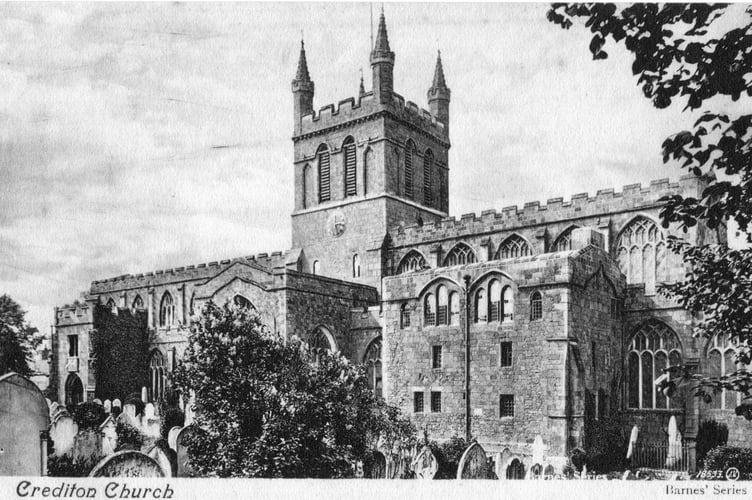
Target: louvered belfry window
[409, 151]
[348, 152]
[427, 167]
[324, 174]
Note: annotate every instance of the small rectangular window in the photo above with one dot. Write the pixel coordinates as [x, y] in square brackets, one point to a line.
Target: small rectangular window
[506, 354]
[417, 402]
[614, 308]
[435, 401]
[73, 346]
[506, 405]
[404, 316]
[436, 356]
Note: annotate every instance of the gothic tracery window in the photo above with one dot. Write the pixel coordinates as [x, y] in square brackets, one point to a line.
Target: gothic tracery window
[654, 347]
[138, 303]
[514, 246]
[158, 377]
[564, 241]
[242, 302]
[320, 342]
[721, 354]
[413, 261]
[372, 360]
[459, 254]
[429, 310]
[166, 310]
[641, 252]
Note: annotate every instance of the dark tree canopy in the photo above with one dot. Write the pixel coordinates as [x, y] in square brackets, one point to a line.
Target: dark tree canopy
[698, 56]
[17, 338]
[269, 407]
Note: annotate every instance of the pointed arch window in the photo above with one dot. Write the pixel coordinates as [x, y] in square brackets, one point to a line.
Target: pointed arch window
[320, 342]
[351, 169]
[324, 173]
[111, 306]
[306, 184]
[404, 316]
[481, 306]
[166, 311]
[721, 354]
[158, 371]
[536, 306]
[494, 301]
[74, 391]
[641, 253]
[429, 310]
[372, 360]
[514, 246]
[138, 303]
[454, 308]
[443, 305]
[507, 304]
[413, 261]
[427, 178]
[653, 348]
[242, 303]
[356, 266]
[409, 155]
[564, 241]
[316, 267]
[460, 254]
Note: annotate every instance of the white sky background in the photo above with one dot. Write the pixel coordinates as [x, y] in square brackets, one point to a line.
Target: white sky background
[151, 136]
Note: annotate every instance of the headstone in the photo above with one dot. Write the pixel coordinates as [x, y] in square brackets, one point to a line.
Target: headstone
[24, 416]
[117, 407]
[108, 429]
[358, 470]
[98, 401]
[129, 416]
[159, 455]
[674, 444]
[538, 449]
[378, 466]
[149, 410]
[63, 433]
[632, 441]
[107, 406]
[184, 467]
[127, 463]
[425, 464]
[172, 437]
[473, 464]
[144, 395]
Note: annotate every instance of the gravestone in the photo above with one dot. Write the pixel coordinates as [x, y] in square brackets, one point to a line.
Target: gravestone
[24, 419]
[127, 463]
[108, 429]
[425, 464]
[97, 401]
[117, 404]
[63, 433]
[184, 467]
[144, 395]
[172, 437]
[473, 464]
[162, 457]
[150, 423]
[377, 469]
[129, 416]
[107, 406]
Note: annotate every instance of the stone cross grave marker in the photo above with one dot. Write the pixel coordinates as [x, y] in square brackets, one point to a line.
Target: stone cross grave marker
[425, 464]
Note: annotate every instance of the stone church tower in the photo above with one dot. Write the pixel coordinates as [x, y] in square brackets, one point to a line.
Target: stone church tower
[368, 164]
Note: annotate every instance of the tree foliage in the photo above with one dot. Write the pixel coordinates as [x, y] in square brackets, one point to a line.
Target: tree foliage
[266, 407]
[698, 56]
[17, 338]
[120, 344]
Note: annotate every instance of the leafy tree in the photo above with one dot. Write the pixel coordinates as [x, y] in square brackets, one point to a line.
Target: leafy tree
[17, 338]
[267, 407]
[698, 56]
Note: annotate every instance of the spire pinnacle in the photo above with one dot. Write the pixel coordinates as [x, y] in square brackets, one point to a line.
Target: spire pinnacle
[362, 89]
[438, 75]
[382, 40]
[302, 73]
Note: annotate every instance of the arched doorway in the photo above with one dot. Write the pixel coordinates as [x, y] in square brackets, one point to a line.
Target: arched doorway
[74, 391]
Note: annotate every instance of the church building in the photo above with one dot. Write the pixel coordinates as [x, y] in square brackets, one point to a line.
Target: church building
[533, 321]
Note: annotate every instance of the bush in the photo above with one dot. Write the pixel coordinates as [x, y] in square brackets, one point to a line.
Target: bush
[66, 466]
[607, 448]
[722, 458]
[171, 417]
[448, 454]
[711, 434]
[89, 415]
[129, 438]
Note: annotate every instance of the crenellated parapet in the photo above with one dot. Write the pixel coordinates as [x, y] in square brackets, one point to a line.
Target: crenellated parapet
[262, 261]
[351, 110]
[632, 197]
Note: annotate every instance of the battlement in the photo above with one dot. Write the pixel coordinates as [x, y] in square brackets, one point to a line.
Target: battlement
[262, 261]
[75, 313]
[632, 197]
[351, 109]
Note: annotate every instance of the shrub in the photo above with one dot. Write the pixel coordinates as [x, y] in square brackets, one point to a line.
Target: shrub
[722, 458]
[129, 438]
[607, 448]
[711, 434]
[171, 417]
[89, 416]
[66, 466]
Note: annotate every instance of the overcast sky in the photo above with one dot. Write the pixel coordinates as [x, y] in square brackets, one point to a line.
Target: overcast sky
[149, 136]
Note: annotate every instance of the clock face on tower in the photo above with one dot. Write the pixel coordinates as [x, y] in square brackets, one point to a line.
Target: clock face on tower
[336, 223]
